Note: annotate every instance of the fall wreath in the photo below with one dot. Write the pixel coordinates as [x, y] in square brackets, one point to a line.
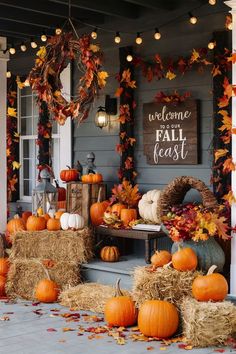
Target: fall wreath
[52, 59]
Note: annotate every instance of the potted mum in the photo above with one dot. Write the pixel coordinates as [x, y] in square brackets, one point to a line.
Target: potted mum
[196, 226]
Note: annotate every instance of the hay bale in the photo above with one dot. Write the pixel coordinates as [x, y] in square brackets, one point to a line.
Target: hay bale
[25, 274]
[76, 246]
[88, 296]
[207, 323]
[2, 245]
[163, 283]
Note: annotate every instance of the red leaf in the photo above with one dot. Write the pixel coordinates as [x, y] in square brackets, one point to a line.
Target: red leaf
[51, 330]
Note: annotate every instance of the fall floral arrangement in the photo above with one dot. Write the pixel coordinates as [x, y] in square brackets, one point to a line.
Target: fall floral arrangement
[195, 222]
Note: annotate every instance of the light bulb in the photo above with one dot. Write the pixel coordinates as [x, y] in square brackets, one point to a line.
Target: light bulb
[94, 34]
[138, 39]
[23, 47]
[43, 37]
[26, 83]
[129, 57]
[157, 34]
[230, 26]
[58, 30]
[12, 50]
[8, 74]
[212, 2]
[117, 38]
[192, 19]
[33, 43]
[211, 44]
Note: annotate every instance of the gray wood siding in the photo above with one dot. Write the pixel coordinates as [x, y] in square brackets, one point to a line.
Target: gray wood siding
[178, 39]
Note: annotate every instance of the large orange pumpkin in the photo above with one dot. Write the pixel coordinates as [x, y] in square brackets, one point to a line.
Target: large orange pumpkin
[128, 215]
[120, 310]
[2, 286]
[160, 258]
[25, 215]
[35, 223]
[15, 224]
[110, 254]
[184, 259]
[4, 266]
[53, 225]
[46, 291]
[116, 208]
[210, 287]
[158, 318]
[97, 210]
[69, 175]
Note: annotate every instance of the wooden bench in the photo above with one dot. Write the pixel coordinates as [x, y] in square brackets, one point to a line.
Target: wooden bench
[147, 236]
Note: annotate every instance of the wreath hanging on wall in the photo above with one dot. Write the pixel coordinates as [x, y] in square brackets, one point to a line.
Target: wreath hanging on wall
[52, 59]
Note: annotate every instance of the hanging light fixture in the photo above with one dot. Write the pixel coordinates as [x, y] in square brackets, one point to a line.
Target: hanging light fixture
[58, 30]
[43, 37]
[138, 39]
[129, 58]
[117, 38]
[23, 47]
[12, 49]
[94, 33]
[212, 2]
[101, 118]
[192, 19]
[8, 74]
[157, 34]
[211, 45]
[33, 43]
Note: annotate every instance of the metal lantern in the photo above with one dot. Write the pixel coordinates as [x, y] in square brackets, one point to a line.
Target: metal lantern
[45, 195]
[101, 118]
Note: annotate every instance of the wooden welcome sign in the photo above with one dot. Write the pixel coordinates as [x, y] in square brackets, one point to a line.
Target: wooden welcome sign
[170, 133]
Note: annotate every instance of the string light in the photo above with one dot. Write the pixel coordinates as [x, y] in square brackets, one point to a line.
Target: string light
[212, 2]
[211, 45]
[230, 26]
[27, 83]
[117, 38]
[58, 30]
[12, 50]
[8, 74]
[94, 33]
[157, 34]
[192, 19]
[138, 39]
[129, 58]
[23, 47]
[43, 37]
[33, 43]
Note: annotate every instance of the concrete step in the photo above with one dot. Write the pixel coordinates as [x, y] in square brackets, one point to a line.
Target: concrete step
[107, 273]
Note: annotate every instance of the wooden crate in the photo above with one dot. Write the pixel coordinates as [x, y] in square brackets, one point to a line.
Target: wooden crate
[80, 196]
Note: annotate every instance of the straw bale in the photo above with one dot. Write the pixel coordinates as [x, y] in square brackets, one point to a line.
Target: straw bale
[25, 274]
[207, 323]
[2, 245]
[163, 284]
[88, 296]
[75, 246]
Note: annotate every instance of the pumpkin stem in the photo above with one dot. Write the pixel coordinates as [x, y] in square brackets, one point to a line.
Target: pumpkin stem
[118, 291]
[68, 167]
[16, 216]
[211, 269]
[46, 271]
[99, 195]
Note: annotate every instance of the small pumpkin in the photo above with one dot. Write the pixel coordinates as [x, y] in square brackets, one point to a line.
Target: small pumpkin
[97, 178]
[148, 205]
[92, 178]
[4, 266]
[36, 223]
[71, 221]
[46, 291]
[160, 258]
[210, 287]
[116, 208]
[58, 214]
[15, 224]
[128, 215]
[120, 310]
[53, 225]
[158, 318]
[97, 210]
[61, 192]
[69, 175]
[184, 259]
[110, 254]
[2, 286]
[25, 215]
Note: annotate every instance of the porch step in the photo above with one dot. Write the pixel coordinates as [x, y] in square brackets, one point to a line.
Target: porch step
[107, 273]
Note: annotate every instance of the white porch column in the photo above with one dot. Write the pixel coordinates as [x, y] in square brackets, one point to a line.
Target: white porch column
[232, 5]
[3, 121]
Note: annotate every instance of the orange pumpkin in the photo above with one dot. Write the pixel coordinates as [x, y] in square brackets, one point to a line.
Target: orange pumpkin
[87, 178]
[25, 215]
[69, 175]
[110, 254]
[53, 225]
[184, 259]
[58, 214]
[128, 215]
[97, 210]
[46, 217]
[160, 258]
[61, 192]
[116, 208]
[4, 266]
[46, 291]
[15, 224]
[158, 318]
[210, 287]
[97, 178]
[2, 286]
[35, 223]
[120, 310]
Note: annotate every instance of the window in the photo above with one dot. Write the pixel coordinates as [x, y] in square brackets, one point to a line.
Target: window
[28, 118]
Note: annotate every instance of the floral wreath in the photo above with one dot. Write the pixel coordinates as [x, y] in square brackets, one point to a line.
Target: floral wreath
[52, 59]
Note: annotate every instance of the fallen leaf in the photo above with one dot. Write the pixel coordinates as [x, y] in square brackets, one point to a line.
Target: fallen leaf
[4, 318]
[163, 348]
[51, 330]
[150, 348]
[68, 329]
[120, 341]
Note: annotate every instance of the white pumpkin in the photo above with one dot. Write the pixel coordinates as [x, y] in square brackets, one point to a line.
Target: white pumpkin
[71, 221]
[148, 204]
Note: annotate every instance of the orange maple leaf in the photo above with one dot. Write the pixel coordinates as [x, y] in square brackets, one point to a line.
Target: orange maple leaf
[228, 165]
[232, 58]
[132, 141]
[229, 197]
[216, 71]
[226, 122]
[119, 91]
[170, 75]
[223, 102]
[128, 163]
[195, 56]
[220, 153]
[122, 135]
